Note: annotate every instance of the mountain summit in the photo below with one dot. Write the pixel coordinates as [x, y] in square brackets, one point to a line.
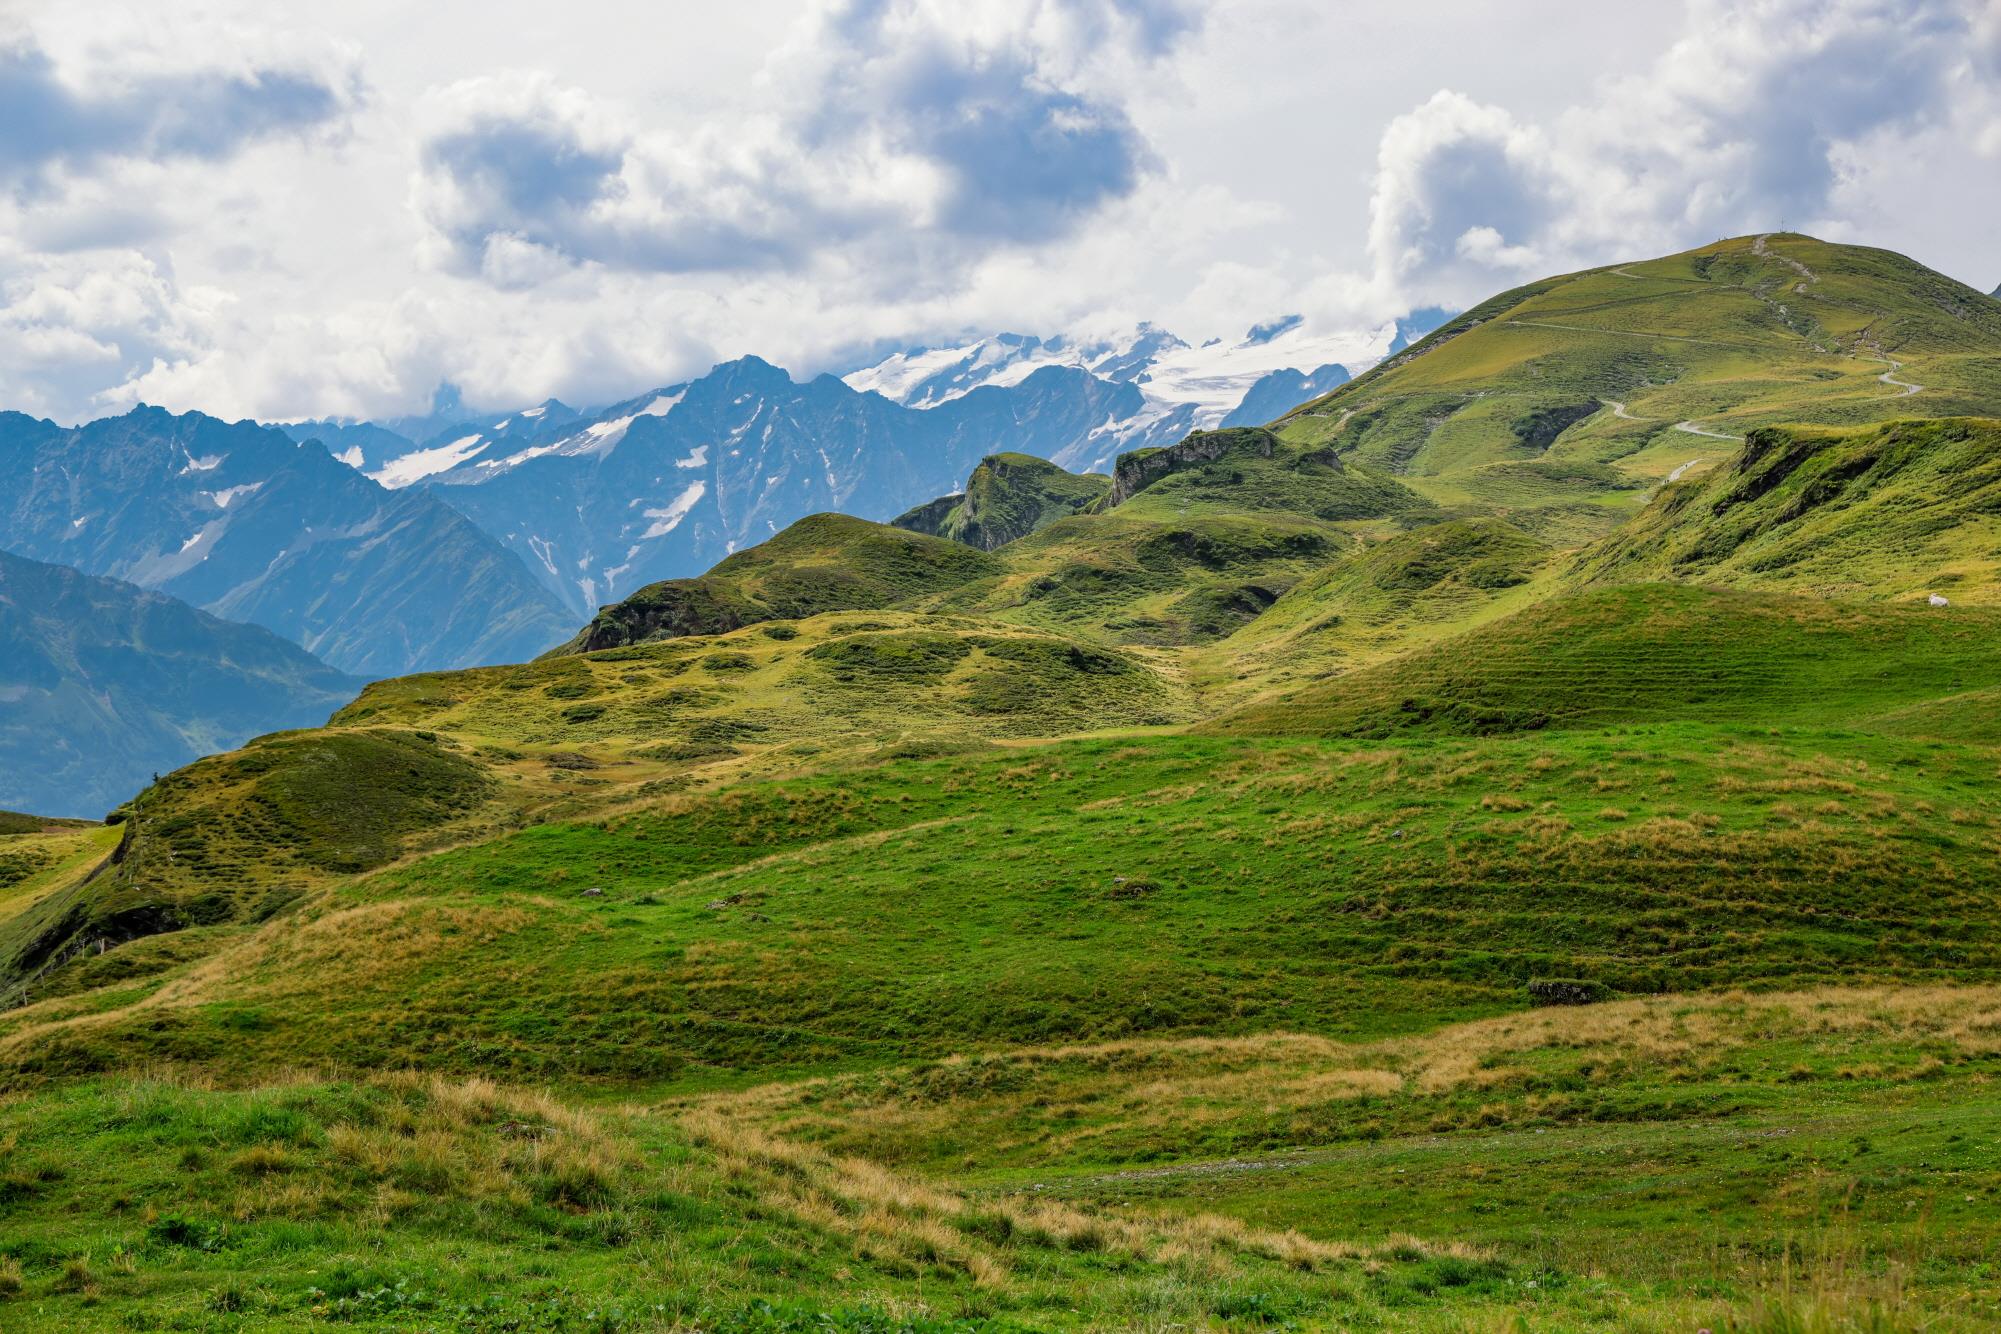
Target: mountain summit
[252, 526]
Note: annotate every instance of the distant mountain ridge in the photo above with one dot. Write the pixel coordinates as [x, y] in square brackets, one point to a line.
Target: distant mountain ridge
[248, 525]
[103, 684]
[665, 484]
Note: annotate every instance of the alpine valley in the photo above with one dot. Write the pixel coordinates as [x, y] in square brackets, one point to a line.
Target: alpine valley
[1040, 835]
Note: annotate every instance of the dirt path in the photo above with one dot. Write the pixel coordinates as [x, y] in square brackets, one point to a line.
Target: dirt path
[1890, 377]
[1675, 476]
[1758, 249]
[1619, 411]
[1693, 429]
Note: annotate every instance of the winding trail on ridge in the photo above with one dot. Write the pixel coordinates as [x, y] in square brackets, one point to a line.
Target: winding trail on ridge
[1890, 377]
[1693, 429]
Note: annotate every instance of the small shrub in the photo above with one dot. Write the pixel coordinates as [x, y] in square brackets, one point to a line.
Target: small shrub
[77, 1277]
[261, 1160]
[1567, 991]
[194, 1234]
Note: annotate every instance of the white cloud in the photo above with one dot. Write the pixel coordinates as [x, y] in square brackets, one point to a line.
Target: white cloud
[150, 102]
[605, 200]
[911, 134]
[1764, 114]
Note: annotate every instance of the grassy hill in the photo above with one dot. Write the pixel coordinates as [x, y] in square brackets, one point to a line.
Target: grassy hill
[1438, 864]
[1008, 496]
[822, 563]
[1552, 401]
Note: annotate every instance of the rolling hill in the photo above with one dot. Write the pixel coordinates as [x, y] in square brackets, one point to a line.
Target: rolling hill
[104, 686]
[1549, 402]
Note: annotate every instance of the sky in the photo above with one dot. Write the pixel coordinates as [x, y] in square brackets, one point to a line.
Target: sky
[285, 210]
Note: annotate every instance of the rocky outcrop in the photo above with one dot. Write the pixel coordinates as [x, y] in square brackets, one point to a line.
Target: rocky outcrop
[1136, 471]
[1008, 497]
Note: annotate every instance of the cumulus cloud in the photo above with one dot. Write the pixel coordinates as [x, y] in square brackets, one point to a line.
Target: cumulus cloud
[61, 119]
[657, 192]
[70, 325]
[1755, 119]
[917, 132]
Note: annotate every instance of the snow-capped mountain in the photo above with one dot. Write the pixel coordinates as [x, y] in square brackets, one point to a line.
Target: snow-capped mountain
[1200, 386]
[248, 525]
[665, 484]
[673, 480]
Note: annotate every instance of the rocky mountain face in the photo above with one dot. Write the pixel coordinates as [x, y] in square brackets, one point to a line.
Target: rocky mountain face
[666, 485]
[249, 525]
[103, 685]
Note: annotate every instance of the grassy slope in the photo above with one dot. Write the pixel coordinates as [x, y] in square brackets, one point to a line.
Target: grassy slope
[414, 1203]
[1096, 890]
[1007, 497]
[1739, 334]
[1898, 511]
[1740, 1135]
[1648, 651]
[822, 563]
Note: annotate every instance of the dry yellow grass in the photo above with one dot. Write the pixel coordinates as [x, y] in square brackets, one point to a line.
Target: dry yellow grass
[1146, 1086]
[888, 1214]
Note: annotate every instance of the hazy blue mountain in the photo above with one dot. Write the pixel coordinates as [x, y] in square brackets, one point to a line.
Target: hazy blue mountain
[1416, 325]
[253, 526]
[669, 483]
[363, 446]
[103, 684]
[1281, 391]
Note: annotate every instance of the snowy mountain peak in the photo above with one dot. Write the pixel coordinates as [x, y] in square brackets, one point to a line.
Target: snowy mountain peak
[1209, 382]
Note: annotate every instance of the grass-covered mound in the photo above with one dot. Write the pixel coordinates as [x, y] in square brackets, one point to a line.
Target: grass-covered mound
[1376, 598]
[822, 563]
[242, 835]
[1654, 651]
[1008, 496]
[1901, 511]
[779, 692]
